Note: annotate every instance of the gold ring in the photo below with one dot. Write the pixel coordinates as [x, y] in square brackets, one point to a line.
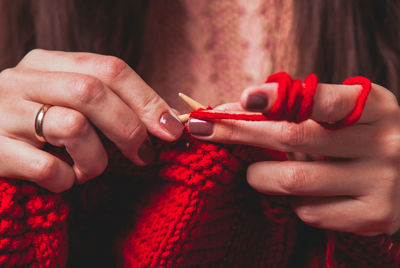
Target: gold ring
[39, 122]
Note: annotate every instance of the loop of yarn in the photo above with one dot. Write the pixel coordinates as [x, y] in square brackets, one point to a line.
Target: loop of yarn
[294, 102]
[355, 115]
[203, 214]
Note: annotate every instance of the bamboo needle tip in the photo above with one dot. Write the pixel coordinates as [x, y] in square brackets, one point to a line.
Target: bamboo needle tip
[191, 102]
[184, 118]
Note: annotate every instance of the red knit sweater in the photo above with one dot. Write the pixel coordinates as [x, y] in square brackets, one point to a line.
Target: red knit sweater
[193, 208]
[187, 216]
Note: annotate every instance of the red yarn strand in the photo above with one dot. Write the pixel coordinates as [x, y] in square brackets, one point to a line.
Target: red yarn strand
[355, 115]
[294, 103]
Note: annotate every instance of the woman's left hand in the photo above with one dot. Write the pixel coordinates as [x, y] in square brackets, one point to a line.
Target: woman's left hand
[355, 187]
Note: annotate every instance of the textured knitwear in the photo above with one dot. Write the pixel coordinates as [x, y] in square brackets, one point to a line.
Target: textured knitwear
[192, 208]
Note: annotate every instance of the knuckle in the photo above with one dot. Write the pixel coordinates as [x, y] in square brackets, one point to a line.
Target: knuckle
[7, 74]
[75, 124]
[87, 90]
[33, 53]
[307, 215]
[232, 132]
[45, 169]
[389, 143]
[149, 103]
[293, 180]
[390, 99]
[332, 104]
[389, 176]
[385, 216]
[150, 100]
[130, 133]
[111, 67]
[95, 170]
[292, 135]
[386, 98]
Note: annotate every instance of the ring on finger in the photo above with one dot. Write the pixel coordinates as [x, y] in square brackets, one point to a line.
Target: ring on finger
[39, 122]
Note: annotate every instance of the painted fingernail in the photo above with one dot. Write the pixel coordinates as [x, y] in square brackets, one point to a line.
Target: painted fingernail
[200, 127]
[146, 152]
[256, 102]
[171, 124]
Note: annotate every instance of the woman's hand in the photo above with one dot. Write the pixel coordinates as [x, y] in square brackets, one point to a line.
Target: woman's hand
[85, 91]
[355, 187]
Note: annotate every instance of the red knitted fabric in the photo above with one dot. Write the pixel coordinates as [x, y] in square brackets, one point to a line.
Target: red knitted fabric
[32, 226]
[193, 208]
[198, 218]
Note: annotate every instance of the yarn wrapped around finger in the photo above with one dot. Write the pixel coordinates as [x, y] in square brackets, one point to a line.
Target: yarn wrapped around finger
[192, 208]
[294, 103]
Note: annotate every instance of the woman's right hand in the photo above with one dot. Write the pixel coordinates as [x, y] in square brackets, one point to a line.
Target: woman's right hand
[86, 91]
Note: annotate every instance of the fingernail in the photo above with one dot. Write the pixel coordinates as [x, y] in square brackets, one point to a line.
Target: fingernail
[256, 102]
[146, 152]
[200, 127]
[171, 124]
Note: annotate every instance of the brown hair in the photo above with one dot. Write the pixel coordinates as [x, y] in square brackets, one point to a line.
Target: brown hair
[336, 38]
[342, 38]
[100, 26]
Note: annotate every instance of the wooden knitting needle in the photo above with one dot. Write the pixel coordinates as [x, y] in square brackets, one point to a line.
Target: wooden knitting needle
[192, 104]
[183, 118]
[196, 105]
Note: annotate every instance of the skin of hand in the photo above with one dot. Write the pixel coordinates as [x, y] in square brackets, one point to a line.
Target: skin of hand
[355, 187]
[86, 91]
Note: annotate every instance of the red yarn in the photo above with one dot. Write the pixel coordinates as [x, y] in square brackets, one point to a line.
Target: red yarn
[360, 103]
[294, 102]
[32, 226]
[196, 211]
[200, 218]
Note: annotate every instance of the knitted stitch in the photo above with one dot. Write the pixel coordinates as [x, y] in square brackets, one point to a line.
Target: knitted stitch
[32, 226]
[197, 218]
[201, 213]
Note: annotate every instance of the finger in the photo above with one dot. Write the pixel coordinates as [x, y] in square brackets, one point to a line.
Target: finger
[307, 137]
[153, 111]
[61, 127]
[331, 102]
[89, 96]
[312, 178]
[24, 161]
[69, 128]
[230, 106]
[343, 214]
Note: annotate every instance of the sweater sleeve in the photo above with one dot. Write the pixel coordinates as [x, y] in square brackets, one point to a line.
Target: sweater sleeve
[350, 250]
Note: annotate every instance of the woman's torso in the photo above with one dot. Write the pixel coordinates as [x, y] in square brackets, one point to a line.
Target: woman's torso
[212, 50]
